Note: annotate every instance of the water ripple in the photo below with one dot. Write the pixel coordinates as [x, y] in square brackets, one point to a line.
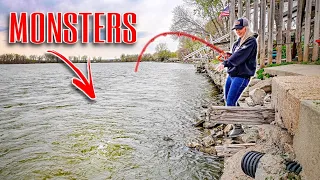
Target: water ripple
[136, 129]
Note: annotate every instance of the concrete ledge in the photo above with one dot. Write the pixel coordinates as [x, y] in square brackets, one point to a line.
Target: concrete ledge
[287, 93]
[306, 142]
[294, 70]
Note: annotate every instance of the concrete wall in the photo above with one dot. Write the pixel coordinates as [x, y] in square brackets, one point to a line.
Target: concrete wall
[306, 142]
[287, 94]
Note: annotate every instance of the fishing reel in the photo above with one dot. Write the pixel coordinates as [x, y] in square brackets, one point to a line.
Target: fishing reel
[223, 56]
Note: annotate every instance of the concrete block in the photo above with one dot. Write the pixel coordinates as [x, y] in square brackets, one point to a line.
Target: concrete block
[287, 93]
[306, 142]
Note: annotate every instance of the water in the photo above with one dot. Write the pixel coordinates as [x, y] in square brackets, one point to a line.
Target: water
[50, 130]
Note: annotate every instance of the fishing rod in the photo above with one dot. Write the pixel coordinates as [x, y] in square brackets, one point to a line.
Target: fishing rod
[194, 38]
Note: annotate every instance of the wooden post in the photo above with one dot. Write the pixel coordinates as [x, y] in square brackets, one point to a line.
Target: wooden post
[315, 52]
[240, 9]
[279, 21]
[299, 29]
[232, 19]
[248, 9]
[262, 32]
[255, 25]
[255, 16]
[288, 33]
[270, 29]
[307, 27]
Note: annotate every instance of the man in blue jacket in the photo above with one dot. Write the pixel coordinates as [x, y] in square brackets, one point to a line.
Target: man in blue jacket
[241, 66]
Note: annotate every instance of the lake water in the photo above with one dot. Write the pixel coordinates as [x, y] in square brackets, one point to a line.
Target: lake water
[136, 128]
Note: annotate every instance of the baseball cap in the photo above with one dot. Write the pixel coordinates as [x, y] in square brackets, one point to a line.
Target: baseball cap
[240, 23]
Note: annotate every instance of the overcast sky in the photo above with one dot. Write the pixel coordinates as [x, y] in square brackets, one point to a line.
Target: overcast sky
[153, 17]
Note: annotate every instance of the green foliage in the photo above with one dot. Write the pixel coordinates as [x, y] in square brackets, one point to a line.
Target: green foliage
[128, 57]
[262, 75]
[206, 8]
[162, 52]
[215, 61]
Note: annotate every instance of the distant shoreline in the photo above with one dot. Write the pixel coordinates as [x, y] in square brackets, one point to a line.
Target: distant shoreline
[107, 61]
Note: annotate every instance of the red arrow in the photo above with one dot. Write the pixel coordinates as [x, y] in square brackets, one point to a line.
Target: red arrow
[83, 84]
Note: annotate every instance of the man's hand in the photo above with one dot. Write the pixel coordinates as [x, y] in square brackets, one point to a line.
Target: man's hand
[220, 67]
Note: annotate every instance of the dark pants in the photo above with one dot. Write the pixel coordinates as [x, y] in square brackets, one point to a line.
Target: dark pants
[233, 89]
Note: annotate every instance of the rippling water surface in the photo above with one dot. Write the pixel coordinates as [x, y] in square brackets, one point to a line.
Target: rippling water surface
[49, 129]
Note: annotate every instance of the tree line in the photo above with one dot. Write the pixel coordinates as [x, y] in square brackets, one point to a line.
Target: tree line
[12, 58]
[162, 54]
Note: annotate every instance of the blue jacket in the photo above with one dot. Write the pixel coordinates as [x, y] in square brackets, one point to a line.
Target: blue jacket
[243, 61]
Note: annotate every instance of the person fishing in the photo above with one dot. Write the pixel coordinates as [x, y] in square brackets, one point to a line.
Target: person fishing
[241, 65]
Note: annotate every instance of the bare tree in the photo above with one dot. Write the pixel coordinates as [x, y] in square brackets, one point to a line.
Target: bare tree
[184, 20]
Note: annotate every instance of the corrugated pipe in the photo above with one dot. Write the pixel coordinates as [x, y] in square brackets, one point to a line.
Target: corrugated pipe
[250, 160]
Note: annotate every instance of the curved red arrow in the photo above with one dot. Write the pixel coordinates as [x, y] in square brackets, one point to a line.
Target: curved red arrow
[83, 84]
[213, 47]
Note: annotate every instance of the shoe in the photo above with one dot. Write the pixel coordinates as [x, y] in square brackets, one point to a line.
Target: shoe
[236, 131]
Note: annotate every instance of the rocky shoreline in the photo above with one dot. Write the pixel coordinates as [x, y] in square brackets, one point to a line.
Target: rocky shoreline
[270, 139]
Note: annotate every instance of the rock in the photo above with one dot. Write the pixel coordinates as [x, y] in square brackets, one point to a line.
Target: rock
[245, 93]
[264, 85]
[242, 98]
[257, 95]
[270, 167]
[228, 141]
[212, 132]
[250, 137]
[274, 135]
[232, 167]
[206, 132]
[208, 125]
[244, 104]
[288, 148]
[199, 123]
[218, 142]
[193, 145]
[289, 152]
[209, 150]
[219, 134]
[267, 105]
[204, 106]
[249, 102]
[227, 129]
[208, 141]
[267, 98]
[166, 138]
[254, 82]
